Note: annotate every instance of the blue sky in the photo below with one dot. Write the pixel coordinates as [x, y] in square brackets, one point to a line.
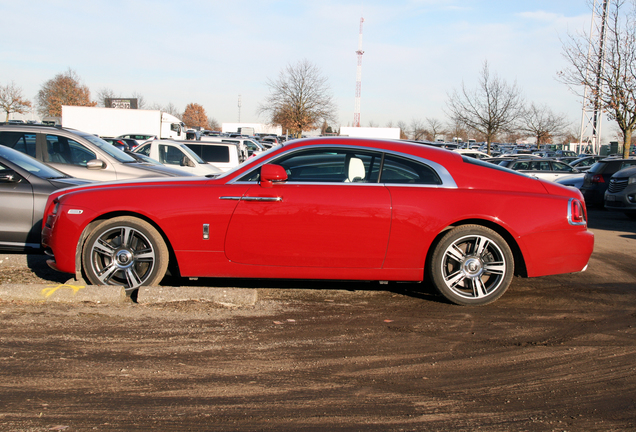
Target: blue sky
[210, 52]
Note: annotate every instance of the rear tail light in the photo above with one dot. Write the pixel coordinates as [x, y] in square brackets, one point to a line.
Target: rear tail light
[576, 212]
[597, 179]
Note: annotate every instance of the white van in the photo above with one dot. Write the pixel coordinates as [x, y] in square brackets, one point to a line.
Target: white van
[224, 155]
[177, 155]
[247, 146]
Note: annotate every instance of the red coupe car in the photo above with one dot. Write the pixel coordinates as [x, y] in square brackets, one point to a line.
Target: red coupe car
[327, 208]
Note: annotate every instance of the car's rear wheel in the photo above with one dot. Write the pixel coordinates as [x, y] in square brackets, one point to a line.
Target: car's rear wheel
[471, 265]
[125, 251]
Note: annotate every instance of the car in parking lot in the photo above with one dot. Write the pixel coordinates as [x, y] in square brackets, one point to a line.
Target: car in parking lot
[621, 192]
[78, 154]
[334, 209]
[597, 179]
[585, 163]
[544, 168]
[25, 185]
[177, 155]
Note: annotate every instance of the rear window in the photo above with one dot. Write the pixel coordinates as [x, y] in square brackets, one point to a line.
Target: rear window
[211, 153]
[23, 142]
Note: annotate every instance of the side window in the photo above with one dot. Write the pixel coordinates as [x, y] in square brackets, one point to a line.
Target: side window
[20, 141]
[60, 149]
[558, 166]
[331, 166]
[144, 150]
[170, 155]
[400, 170]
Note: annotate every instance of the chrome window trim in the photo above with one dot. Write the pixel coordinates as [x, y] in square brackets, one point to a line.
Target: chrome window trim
[447, 180]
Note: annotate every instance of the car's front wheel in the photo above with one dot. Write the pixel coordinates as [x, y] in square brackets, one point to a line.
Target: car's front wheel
[124, 251]
[471, 265]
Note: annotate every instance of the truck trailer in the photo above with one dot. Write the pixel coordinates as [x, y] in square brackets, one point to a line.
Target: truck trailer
[113, 122]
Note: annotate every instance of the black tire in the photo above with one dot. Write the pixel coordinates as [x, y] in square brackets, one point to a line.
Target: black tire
[124, 251]
[631, 215]
[471, 265]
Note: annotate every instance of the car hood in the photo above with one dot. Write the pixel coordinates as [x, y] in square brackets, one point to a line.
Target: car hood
[66, 182]
[152, 181]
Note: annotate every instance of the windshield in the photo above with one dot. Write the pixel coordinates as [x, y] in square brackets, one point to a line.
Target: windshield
[106, 147]
[30, 164]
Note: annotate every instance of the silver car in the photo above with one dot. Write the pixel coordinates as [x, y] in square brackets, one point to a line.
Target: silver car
[76, 153]
[25, 185]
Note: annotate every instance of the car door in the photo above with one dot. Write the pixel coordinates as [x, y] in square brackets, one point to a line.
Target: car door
[72, 157]
[560, 169]
[330, 213]
[16, 218]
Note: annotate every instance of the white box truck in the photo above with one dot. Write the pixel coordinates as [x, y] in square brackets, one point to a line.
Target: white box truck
[113, 122]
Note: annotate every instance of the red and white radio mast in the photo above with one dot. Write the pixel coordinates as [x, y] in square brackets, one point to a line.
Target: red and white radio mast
[356, 111]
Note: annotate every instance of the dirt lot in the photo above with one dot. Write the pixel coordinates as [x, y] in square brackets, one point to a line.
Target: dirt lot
[553, 354]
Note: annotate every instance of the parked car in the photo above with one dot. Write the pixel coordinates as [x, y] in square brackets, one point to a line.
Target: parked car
[621, 192]
[335, 208]
[597, 179]
[223, 155]
[78, 154]
[585, 163]
[543, 168]
[177, 155]
[473, 153]
[573, 180]
[138, 138]
[121, 143]
[25, 185]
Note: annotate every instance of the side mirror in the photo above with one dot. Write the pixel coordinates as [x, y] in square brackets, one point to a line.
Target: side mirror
[186, 162]
[271, 174]
[9, 176]
[95, 164]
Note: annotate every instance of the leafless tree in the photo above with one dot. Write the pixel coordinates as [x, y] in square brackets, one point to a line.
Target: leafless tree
[300, 98]
[457, 130]
[543, 124]
[103, 94]
[418, 130]
[608, 71]
[11, 100]
[403, 129]
[213, 124]
[490, 108]
[434, 127]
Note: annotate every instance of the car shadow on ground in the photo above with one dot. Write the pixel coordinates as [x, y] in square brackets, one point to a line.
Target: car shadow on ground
[610, 221]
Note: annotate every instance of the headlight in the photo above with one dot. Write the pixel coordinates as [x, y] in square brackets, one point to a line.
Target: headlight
[631, 180]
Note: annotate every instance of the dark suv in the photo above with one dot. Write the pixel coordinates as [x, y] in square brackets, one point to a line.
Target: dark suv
[597, 179]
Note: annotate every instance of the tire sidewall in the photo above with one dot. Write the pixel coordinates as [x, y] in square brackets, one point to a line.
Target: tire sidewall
[158, 244]
[435, 264]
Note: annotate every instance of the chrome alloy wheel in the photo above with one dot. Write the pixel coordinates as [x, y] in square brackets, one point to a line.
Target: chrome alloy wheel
[122, 255]
[473, 266]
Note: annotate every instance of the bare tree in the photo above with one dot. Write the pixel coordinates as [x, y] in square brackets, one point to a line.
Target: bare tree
[609, 70]
[300, 98]
[213, 124]
[65, 89]
[418, 130]
[141, 100]
[490, 108]
[457, 130]
[542, 124]
[11, 100]
[403, 129]
[434, 127]
[103, 95]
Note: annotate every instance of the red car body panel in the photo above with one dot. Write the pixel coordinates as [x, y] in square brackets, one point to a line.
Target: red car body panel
[355, 231]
